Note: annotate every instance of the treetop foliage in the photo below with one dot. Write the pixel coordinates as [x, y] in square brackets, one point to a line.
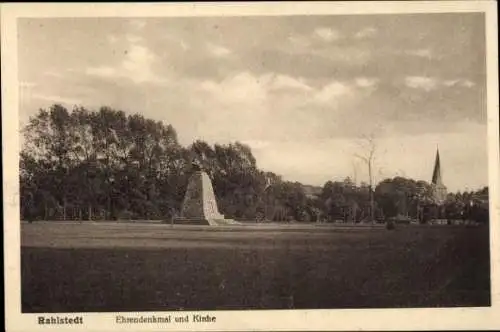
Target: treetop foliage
[105, 164]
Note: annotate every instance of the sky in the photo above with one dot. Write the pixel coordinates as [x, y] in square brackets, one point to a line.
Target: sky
[301, 91]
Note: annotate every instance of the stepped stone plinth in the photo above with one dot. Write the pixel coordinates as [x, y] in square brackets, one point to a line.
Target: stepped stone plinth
[200, 205]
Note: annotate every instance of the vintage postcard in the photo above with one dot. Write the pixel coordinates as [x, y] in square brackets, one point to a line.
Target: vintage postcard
[251, 166]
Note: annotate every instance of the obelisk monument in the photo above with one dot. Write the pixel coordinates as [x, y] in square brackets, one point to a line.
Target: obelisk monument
[200, 205]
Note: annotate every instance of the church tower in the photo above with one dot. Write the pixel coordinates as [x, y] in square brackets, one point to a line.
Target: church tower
[439, 191]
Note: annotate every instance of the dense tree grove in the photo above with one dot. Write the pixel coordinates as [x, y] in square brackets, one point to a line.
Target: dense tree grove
[101, 165]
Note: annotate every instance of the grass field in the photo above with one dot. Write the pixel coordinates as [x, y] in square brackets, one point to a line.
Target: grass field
[134, 267]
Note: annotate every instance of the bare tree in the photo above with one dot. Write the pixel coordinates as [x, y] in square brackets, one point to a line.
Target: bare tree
[354, 172]
[368, 147]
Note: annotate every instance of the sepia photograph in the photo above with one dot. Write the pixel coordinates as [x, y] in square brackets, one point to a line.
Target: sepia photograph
[242, 163]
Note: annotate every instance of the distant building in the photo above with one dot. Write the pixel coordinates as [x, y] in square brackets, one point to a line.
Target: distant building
[439, 191]
[312, 191]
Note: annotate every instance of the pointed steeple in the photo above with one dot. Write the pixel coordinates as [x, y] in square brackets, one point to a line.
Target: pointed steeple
[436, 175]
[438, 188]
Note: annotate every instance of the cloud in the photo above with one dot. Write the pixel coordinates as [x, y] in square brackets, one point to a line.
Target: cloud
[281, 82]
[327, 34]
[422, 53]
[241, 88]
[27, 85]
[254, 103]
[218, 50]
[249, 88]
[238, 106]
[137, 24]
[459, 82]
[366, 33]
[137, 64]
[56, 99]
[185, 46]
[269, 107]
[112, 39]
[133, 38]
[432, 83]
[102, 71]
[332, 91]
[299, 41]
[348, 55]
[421, 82]
[52, 73]
[256, 144]
[177, 40]
[365, 82]
[467, 83]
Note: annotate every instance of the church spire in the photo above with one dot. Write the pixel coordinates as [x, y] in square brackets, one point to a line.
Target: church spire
[438, 188]
[436, 175]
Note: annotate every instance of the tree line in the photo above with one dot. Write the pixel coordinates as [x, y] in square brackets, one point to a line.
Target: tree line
[105, 165]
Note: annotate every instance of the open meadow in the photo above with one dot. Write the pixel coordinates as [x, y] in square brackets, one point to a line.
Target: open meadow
[104, 267]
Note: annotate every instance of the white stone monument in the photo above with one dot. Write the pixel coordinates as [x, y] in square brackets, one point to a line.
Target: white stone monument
[200, 205]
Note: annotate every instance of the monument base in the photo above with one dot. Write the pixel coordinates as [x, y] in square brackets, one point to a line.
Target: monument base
[206, 222]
